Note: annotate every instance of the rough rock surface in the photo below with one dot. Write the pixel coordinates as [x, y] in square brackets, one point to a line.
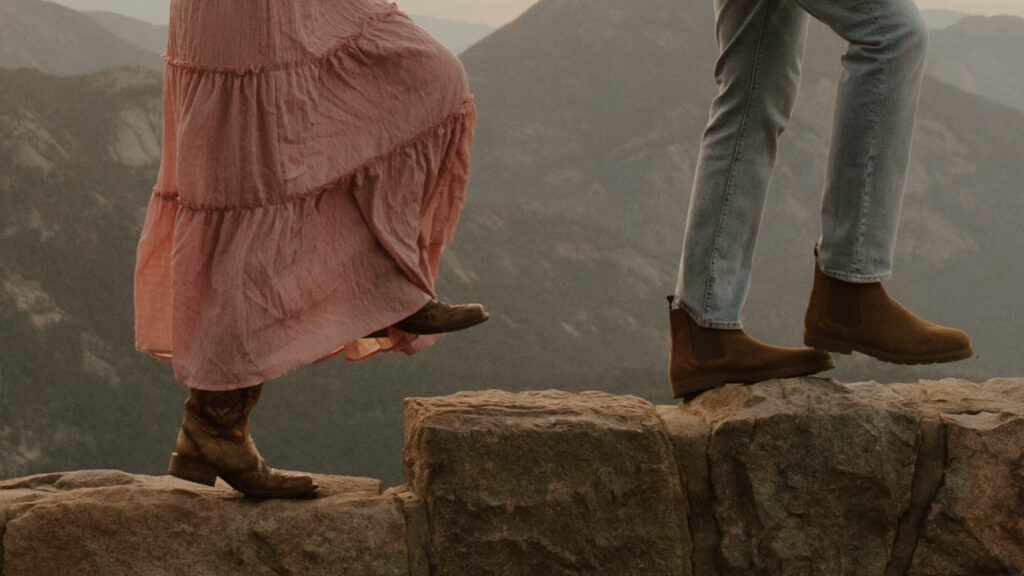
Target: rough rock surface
[546, 483]
[811, 476]
[113, 523]
[787, 477]
[975, 522]
[802, 476]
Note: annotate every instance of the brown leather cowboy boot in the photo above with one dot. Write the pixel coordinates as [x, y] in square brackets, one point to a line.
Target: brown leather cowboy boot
[437, 318]
[214, 441]
[844, 317]
[706, 358]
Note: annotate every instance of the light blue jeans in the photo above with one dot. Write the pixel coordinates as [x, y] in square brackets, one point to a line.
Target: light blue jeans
[761, 46]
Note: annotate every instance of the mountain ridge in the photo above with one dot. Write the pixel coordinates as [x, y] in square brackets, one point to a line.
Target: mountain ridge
[625, 159]
[570, 236]
[90, 41]
[58, 40]
[147, 36]
[980, 54]
[939, 19]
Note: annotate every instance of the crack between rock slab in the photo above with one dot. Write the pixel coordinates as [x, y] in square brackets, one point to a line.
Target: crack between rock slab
[683, 486]
[4, 519]
[409, 560]
[711, 494]
[694, 568]
[928, 477]
[411, 543]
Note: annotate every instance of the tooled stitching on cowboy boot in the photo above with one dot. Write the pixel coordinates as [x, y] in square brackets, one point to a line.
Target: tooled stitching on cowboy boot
[222, 418]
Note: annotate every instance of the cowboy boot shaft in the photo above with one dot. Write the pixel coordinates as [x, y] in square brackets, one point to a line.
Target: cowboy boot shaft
[216, 428]
[221, 413]
[214, 441]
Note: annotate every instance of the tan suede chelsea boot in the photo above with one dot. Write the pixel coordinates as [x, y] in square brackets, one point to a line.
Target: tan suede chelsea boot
[706, 358]
[844, 317]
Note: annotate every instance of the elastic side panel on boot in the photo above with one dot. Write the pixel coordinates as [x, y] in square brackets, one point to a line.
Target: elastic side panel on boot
[705, 343]
[843, 303]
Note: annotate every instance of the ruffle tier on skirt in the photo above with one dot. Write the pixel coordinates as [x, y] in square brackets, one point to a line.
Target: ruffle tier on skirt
[315, 161]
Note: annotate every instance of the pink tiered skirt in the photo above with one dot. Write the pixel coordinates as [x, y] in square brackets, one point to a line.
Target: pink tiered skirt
[315, 161]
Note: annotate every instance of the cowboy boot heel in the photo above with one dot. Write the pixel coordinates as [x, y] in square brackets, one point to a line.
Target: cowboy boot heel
[214, 441]
[192, 470]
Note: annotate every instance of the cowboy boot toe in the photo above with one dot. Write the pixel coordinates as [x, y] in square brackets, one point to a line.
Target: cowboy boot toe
[438, 318]
[270, 483]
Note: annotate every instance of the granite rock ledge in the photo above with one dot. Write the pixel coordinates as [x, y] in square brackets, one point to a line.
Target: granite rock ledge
[801, 476]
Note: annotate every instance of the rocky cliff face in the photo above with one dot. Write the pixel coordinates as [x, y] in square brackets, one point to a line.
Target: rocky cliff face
[805, 476]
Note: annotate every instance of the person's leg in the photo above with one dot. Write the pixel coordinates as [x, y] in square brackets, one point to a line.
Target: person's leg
[214, 441]
[873, 128]
[876, 105]
[758, 73]
[761, 45]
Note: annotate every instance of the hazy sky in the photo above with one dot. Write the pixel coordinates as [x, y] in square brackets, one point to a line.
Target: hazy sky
[498, 12]
[493, 12]
[986, 7]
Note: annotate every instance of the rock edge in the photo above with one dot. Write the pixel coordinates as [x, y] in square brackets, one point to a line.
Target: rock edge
[783, 477]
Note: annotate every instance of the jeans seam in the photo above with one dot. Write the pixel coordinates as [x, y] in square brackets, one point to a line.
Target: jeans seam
[855, 278]
[704, 322]
[869, 167]
[709, 284]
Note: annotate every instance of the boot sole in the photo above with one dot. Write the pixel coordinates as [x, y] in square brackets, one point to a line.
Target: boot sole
[200, 472]
[421, 331]
[691, 387]
[839, 347]
[384, 332]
